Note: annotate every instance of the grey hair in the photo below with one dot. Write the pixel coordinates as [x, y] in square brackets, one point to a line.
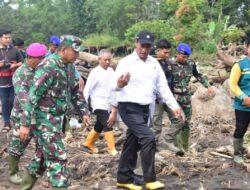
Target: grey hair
[103, 51]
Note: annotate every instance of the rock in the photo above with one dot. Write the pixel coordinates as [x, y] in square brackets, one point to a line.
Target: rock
[205, 106]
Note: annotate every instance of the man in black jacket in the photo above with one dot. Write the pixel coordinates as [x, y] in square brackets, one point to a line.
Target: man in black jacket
[10, 60]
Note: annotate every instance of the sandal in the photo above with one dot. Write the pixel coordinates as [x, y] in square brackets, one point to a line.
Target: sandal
[6, 128]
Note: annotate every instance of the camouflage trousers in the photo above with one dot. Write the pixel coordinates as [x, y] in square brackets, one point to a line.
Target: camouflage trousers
[50, 155]
[17, 147]
[185, 103]
[176, 126]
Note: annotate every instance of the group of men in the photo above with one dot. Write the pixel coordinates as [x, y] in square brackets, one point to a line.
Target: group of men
[46, 88]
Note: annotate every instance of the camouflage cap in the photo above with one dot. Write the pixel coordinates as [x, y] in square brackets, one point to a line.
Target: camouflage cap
[72, 41]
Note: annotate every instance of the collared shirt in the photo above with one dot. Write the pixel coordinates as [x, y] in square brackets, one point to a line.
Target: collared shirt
[98, 88]
[146, 79]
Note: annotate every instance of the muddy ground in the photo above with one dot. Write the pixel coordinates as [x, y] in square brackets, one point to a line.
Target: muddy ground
[197, 170]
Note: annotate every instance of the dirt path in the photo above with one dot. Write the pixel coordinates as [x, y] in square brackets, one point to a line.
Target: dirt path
[197, 170]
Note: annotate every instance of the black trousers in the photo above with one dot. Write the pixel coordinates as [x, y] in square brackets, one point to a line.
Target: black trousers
[242, 122]
[101, 124]
[139, 137]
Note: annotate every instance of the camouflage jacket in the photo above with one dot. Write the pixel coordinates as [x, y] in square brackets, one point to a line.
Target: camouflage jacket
[182, 74]
[55, 89]
[22, 81]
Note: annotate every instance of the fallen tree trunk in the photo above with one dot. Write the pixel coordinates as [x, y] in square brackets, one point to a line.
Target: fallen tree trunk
[226, 59]
[93, 59]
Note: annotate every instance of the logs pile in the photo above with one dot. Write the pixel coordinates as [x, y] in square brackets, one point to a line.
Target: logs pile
[218, 71]
[226, 57]
[87, 61]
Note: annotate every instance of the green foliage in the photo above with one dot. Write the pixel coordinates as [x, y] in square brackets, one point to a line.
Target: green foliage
[100, 40]
[160, 28]
[233, 34]
[208, 46]
[190, 23]
[201, 23]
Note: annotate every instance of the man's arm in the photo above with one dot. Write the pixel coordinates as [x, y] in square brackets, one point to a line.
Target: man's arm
[78, 99]
[234, 86]
[201, 78]
[167, 97]
[112, 117]
[19, 60]
[90, 84]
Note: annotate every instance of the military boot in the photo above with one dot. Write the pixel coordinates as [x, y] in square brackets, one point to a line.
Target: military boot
[13, 169]
[90, 141]
[238, 150]
[182, 138]
[28, 181]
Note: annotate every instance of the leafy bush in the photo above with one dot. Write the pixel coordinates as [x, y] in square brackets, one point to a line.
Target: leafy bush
[208, 46]
[233, 34]
[99, 40]
[160, 28]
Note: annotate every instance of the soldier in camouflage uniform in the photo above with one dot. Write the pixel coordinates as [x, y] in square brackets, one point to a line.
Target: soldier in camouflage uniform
[182, 71]
[55, 88]
[22, 81]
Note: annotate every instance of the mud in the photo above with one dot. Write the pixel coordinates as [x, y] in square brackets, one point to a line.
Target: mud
[199, 169]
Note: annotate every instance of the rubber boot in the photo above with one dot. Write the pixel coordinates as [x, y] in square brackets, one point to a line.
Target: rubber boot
[182, 138]
[129, 186]
[28, 181]
[110, 140]
[13, 170]
[171, 146]
[90, 141]
[238, 150]
[155, 185]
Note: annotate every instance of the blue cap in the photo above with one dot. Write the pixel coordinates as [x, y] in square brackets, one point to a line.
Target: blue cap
[54, 40]
[184, 49]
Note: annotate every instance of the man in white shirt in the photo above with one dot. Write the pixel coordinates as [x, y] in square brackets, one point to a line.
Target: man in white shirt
[139, 77]
[98, 93]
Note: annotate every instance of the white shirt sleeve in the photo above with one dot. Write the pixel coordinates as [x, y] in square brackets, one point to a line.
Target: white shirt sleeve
[90, 84]
[164, 91]
[118, 73]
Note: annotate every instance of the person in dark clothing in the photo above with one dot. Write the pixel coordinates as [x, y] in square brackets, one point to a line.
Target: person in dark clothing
[10, 60]
[19, 44]
[163, 50]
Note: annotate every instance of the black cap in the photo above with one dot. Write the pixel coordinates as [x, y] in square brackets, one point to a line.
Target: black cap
[145, 37]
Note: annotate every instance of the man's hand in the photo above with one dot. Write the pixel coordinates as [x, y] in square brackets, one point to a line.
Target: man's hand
[123, 80]
[246, 101]
[179, 114]
[86, 120]
[111, 120]
[13, 67]
[1, 63]
[24, 133]
[211, 91]
[81, 84]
